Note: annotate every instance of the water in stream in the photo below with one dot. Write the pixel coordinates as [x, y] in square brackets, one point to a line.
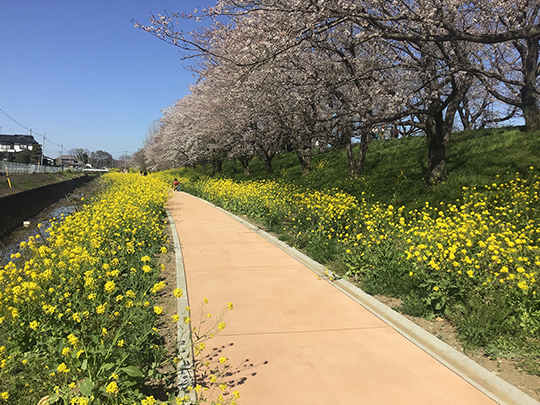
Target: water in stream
[11, 245]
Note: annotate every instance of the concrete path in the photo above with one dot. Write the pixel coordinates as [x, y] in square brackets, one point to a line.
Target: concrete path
[292, 337]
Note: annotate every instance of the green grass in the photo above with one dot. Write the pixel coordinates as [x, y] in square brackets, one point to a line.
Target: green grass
[394, 174]
[395, 168]
[22, 182]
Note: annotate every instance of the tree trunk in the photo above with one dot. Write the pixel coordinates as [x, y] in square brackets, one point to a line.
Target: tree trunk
[357, 167]
[364, 145]
[304, 156]
[217, 166]
[438, 127]
[267, 159]
[529, 96]
[436, 143]
[245, 164]
[531, 113]
[353, 168]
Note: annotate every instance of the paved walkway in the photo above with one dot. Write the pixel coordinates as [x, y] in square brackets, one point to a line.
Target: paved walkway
[292, 337]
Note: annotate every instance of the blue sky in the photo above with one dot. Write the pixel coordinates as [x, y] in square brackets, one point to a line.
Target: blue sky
[80, 73]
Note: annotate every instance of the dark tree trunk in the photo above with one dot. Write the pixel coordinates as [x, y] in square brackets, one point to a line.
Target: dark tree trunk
[304, 156]
[244, 160]
[217, 166]
[267, 159]
[357, 166]
[364, 145]
[353, 169]
[464, 115]
[438, 127]
[436, 143]
[529, 95]
[351, 161]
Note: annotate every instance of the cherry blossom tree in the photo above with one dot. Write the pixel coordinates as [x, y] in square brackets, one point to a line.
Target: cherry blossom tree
[331, 69]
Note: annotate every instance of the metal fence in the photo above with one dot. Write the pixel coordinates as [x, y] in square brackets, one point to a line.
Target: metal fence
[23, 168]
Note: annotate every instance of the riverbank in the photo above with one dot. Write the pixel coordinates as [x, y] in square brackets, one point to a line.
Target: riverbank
[23, 182]
[73, 202]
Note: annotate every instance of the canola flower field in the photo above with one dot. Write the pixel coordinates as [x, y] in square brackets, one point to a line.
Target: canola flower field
[475, 261]
[78, 310]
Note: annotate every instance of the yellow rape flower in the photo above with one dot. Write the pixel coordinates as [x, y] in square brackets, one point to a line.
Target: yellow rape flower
[110, 286]
[62, 368]
[112, 388]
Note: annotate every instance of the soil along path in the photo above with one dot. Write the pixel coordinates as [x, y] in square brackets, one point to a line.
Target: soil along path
[294, 338]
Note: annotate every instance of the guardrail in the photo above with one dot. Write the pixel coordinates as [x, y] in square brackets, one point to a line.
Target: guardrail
[24, 168]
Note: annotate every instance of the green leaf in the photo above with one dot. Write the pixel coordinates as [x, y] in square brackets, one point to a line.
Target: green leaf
[132, 371]
[86, 387]
[84, 364]
[53, 398]
[107, 366]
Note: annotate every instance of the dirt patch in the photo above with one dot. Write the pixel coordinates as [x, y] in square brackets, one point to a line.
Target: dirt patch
[507, 369]
[168, 331]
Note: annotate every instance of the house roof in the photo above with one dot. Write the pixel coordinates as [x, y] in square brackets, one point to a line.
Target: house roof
[20, 139]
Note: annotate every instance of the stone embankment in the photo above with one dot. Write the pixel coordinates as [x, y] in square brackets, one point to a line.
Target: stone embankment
[16, 208]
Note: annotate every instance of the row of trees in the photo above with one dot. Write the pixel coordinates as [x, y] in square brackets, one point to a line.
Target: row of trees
[303, 76]
[97, 158]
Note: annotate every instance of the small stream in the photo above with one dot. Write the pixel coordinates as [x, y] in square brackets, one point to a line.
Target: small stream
[58, 211]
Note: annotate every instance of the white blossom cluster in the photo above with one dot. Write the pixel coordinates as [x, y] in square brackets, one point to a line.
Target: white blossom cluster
[304, 76]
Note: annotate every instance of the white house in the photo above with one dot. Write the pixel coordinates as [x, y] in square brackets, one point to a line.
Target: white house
[11, 144]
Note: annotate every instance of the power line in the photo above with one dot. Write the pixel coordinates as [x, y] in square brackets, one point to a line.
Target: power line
[47, 139]
[14, 120]
[28, 129]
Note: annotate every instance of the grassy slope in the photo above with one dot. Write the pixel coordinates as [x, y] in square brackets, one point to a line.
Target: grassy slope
[22, 182]
[394, 174]
[395, 168]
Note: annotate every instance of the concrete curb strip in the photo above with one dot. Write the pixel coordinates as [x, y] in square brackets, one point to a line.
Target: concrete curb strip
[491, 385]
[186, 372]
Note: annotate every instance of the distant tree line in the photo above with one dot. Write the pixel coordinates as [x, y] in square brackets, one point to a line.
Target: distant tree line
[98, 158]
[305, 76]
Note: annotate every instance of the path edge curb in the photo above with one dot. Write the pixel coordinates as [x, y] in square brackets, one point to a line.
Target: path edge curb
[186, 371]
[484, 380]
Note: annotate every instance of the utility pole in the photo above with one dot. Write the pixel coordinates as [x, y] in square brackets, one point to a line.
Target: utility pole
[43, 149]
